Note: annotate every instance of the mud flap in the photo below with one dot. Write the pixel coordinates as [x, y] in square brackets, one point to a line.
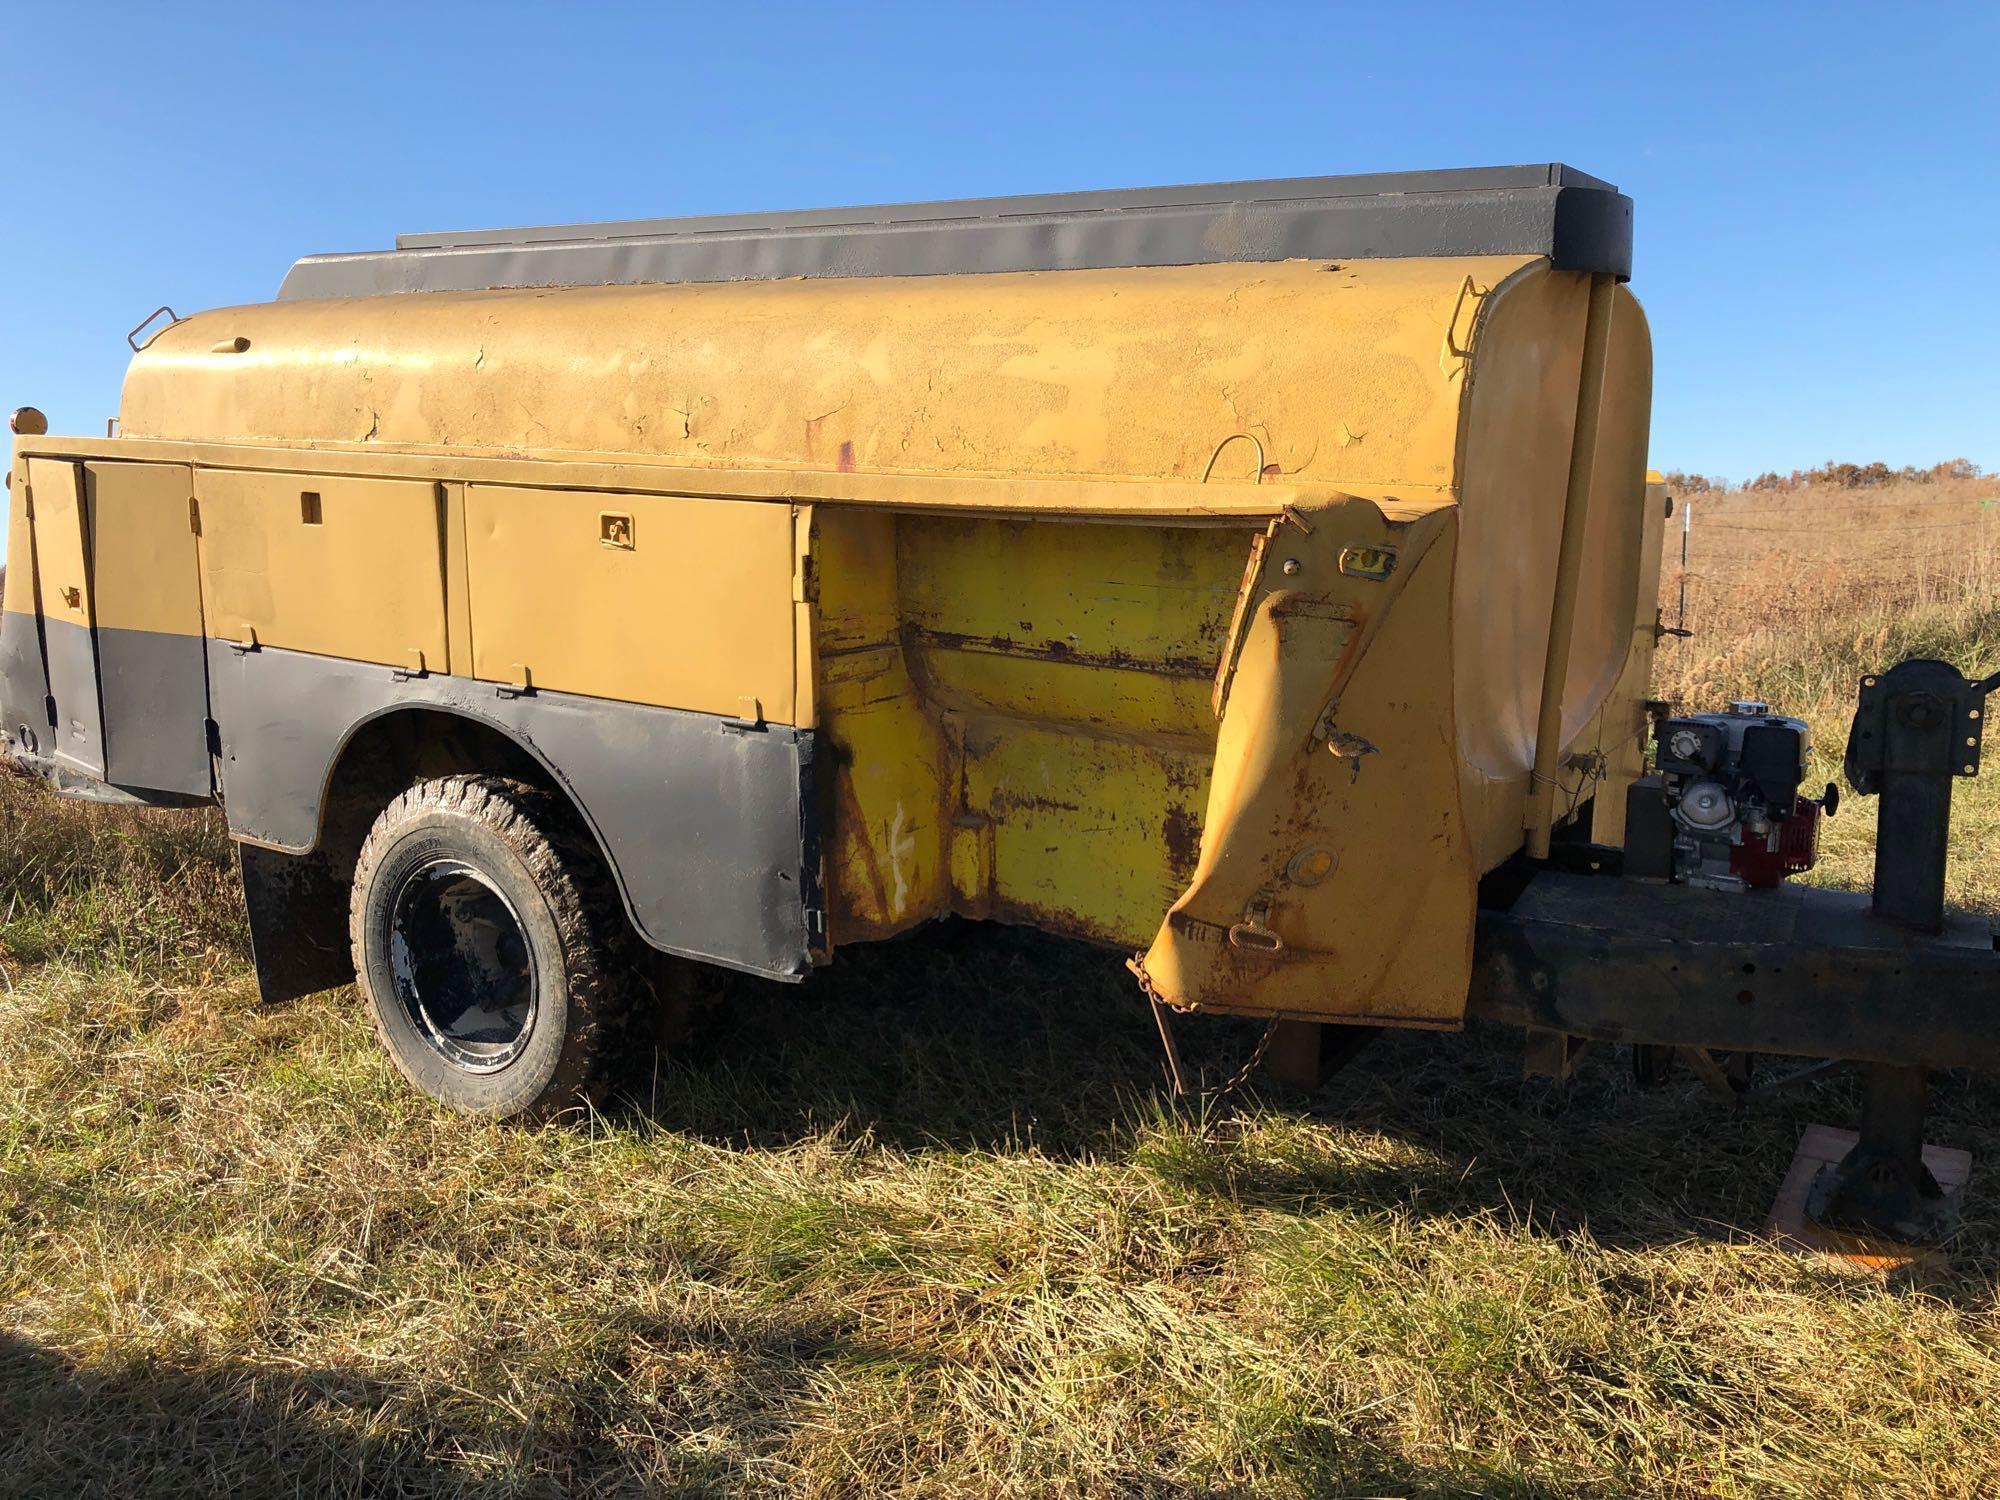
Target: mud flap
[297, 905]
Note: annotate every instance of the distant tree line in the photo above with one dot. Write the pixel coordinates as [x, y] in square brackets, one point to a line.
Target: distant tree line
[1828, 476]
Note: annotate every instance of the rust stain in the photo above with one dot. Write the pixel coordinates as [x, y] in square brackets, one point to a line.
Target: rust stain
[851, 835]
[1191, 667]
[1006, 800]
[1062, 920]
[1181, 832]
[846, 463]
[1309, 607]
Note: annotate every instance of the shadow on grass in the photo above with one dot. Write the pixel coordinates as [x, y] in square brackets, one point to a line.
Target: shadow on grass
[146, 1428]
[143, 1428]
[968, 1036]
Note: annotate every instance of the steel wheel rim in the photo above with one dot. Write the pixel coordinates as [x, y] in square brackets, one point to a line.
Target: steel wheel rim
[462, 966]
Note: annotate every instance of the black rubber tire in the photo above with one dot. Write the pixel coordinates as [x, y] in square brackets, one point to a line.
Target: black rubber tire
[523, 843]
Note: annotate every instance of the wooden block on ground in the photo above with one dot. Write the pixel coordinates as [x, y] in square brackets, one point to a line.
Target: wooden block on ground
[1823, 1146]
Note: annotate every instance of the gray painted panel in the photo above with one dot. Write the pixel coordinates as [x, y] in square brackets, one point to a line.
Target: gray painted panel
[1260, 190]
[704, 823]
[23, 688]
[78, 743]
[154, 688]
[1585, 227]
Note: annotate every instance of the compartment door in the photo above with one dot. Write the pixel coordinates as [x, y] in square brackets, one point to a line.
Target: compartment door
[152, 670]
[660, 599]
[325, 563]
[62, 570]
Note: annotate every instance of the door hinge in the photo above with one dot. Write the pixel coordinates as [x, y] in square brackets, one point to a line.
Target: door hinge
[194, 515]
[750, 721]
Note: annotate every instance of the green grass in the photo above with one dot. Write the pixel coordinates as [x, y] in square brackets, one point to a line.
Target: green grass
[873, 1238]
[924, 1227]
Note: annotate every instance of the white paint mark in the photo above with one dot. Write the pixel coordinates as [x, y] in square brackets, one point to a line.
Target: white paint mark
[900, 844]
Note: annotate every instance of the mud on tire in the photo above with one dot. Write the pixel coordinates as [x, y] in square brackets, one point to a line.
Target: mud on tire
[490, 946]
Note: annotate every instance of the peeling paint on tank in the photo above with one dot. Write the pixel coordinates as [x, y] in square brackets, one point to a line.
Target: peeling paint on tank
[1180, 831]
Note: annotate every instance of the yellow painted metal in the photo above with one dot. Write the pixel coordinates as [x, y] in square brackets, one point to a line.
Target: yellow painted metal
[1623, 727]
[886, 765]
[1202, 610]
[1218, 501]
[1029, 740]
[60, 517]
[61, 529]
[19, 597]
[1343, 374]
[1112, 630]
[1082, 834]
[144, 573]
[1337, 739]
[805, 618]
[365, 581]
[1569, 565]
[1610, 587]
[457, 584]
[689, 606]
[1519, 417]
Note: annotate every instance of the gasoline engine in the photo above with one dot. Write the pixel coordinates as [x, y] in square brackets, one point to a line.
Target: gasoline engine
[1722, 808]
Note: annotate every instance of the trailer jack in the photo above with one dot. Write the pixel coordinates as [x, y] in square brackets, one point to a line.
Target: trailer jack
[1882, 1187]
[1915, 728]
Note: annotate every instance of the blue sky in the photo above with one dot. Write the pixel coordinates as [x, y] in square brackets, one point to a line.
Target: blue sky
[1818, 243]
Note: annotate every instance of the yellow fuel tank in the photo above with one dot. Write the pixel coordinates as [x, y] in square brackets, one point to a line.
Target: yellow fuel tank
[1141, 580]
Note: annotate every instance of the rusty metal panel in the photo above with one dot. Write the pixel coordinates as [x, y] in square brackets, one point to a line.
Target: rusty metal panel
[1089, 835]
[1112, 629]
[643, 598]
[886, 779]
[1798, 970]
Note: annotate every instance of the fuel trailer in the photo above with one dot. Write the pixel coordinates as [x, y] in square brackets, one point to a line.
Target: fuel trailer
[1255, 578]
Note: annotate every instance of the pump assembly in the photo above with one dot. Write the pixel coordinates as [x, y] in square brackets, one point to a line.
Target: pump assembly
[1722, 809]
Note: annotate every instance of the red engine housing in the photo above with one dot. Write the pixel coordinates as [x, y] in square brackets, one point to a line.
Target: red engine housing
[1789, 849]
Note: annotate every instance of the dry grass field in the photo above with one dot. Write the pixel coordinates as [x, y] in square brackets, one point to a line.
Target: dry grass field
[927, 1226]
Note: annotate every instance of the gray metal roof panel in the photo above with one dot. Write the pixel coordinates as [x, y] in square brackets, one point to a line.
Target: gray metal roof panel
[1579, 221]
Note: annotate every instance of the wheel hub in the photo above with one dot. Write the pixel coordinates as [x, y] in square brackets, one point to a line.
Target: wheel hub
[462, 965]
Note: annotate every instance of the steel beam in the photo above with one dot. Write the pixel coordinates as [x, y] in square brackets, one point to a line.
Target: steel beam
[1798, 971]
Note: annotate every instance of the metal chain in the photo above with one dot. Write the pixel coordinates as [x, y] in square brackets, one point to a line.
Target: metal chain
[1161, 1011]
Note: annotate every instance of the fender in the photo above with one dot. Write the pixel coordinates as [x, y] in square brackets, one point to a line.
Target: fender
[705, 822]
